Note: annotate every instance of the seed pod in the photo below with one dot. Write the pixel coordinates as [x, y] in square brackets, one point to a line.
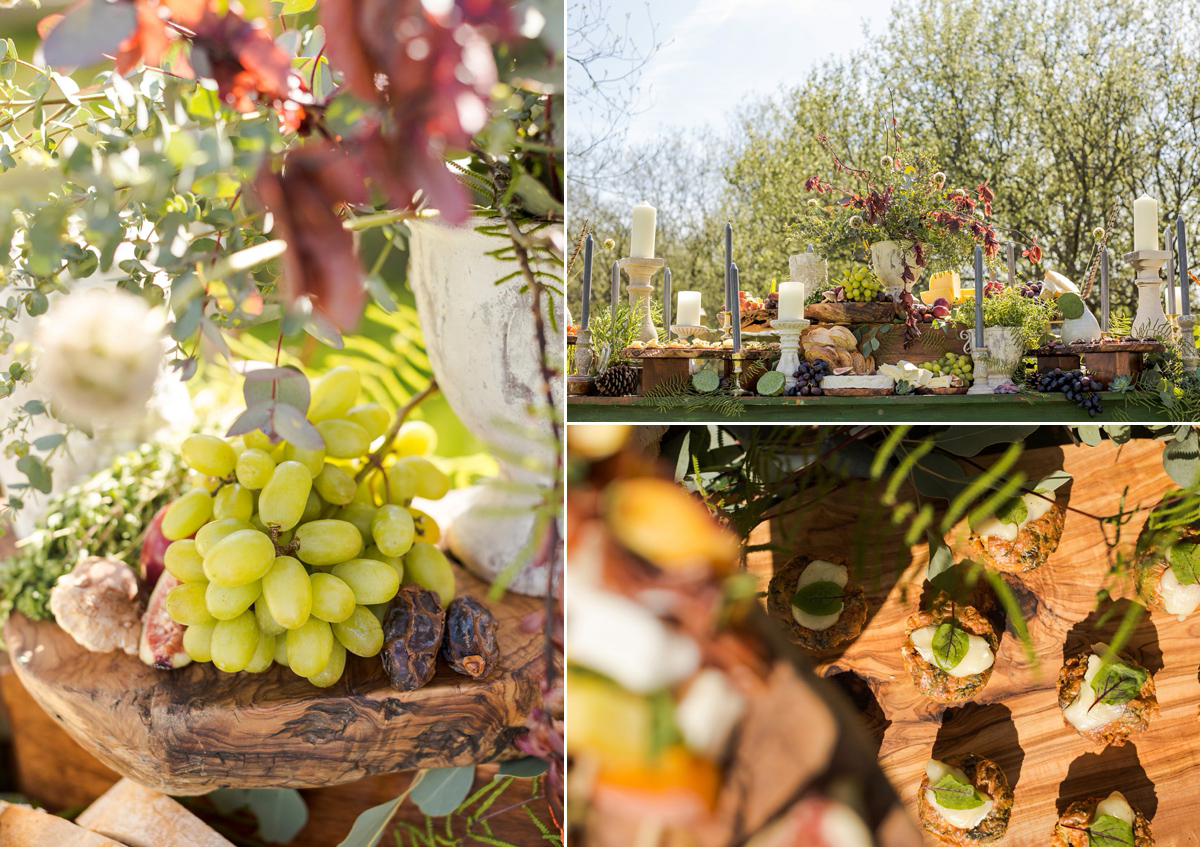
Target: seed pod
[470, 644]
[412, 634]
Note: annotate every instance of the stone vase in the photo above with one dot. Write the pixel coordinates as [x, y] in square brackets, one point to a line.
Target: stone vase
[888, 260]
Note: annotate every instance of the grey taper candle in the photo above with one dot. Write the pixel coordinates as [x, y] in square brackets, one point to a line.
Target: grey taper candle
[1012, 264]
[616, 289]
[978, 296]
[587, 281]
[736, 309]
[1104, 305]
[1185, 282]
[667, 303]
[728, 262]
[1170, 272]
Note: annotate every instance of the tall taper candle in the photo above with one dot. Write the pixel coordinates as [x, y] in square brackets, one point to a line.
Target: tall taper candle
[1185, 281]
[667, 303]
[1170, 273]
[728, 261]
[1104, 305]
[1145, 223]
[1012, 265]
[978, 296]
[587, 281]
[641, 244]
[616, 290]
[737, 308]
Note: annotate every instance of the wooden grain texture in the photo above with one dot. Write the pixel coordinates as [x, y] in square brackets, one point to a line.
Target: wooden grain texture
[1015, 719]
[850, 312]
[192, 730]
[695, 352]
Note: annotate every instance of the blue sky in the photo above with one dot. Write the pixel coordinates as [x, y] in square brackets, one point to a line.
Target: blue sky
[717, 54]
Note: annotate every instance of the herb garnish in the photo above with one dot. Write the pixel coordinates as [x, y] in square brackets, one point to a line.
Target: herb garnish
[950, 645]
[1117, 684]
[953, 793]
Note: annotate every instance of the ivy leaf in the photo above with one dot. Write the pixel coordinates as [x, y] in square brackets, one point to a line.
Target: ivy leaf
[1110, 831]
[1117, 684]
[1184, 558]
[442, 790]
[819, 599]
[952, 793]
[950, 645]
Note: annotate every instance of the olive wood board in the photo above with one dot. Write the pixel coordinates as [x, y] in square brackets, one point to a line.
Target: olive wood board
[694, 352]
[192, 730]
[852, 313]
[1075, 348]
[1015, 720]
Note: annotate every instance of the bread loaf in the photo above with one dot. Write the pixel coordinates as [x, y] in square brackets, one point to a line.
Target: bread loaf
[139, 817]
[21, 826]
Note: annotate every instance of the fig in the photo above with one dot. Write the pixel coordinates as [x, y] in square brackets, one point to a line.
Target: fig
[941, 301]
[154, 548]
[162, 639]
[840, 293]
[940, 311]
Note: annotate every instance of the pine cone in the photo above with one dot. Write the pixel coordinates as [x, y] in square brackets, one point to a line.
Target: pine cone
[617, 381]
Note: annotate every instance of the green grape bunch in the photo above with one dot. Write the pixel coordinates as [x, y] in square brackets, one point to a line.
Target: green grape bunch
[953, 364]
[861, 285]
[289, 555]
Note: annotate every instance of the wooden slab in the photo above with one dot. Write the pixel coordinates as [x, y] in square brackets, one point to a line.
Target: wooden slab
[195, 729]
[852, 313]
[1015, 720]
[695, 352]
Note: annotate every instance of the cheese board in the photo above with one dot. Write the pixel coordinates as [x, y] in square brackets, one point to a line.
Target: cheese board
[1015, 720]
[194, 729]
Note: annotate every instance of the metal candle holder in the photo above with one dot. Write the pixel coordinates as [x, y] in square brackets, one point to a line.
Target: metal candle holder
[739, 356]
[585, 356]
[789, 348]
[640, 271]
[1150, 316]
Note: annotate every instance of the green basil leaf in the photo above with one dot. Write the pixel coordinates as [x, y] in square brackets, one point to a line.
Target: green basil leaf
[1118, 683]
[950, 645]
[952, 793]
[819, 598]
[1110, 831]
[1185, 562]
[1014, 511]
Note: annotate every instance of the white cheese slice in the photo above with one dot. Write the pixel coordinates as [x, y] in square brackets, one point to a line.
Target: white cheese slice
[978, 659]
[1054, 284]
[942, 381]
[1035, 507]
[708, 712]
[959, 818]
[1178, 599]
[859, 381]
[1115, 804]
[819, 571]
[1081, 713]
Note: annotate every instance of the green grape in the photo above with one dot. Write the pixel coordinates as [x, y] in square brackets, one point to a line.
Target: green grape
[361, 516]
[335, 485]
[233, 501]
[328, 542]
[333, 669]
[235, 642]
[371, 581]
[226, 602]
[402, 481]
[415, 438]
[282, 501]
[197, 642]
[361, 633]
[282, 539]
[379, 610]
[186, 605]
[332, 599]
[195, 479]
[334, 394]
[240, 557]
[264, 654]
[396, 563]
[280, 452]
[309, 647]
[429, 568]
[281, 650]
[187, 514]
[288, 592]
[254, 468]
[213, 533]
[393, 530]
[208, 454]
[256, 439]
[262, 613]
[184, 562]
[372, 417]
[313, 507]
[426, 527]
[344, 439]
[432, 484]
[314, 460]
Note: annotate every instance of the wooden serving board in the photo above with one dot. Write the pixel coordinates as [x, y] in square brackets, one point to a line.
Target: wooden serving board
[1101, 347]
[852, 313]
[1016, 720]
[694, 352]
[195, 729]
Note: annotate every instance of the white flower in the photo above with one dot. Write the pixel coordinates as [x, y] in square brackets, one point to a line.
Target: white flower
[855, 222]
[812, 201]
[939, 179]
[100, 355]
[886, 162]
[1098, 233]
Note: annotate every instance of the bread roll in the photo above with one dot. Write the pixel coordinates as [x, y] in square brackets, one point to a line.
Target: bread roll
[140, 817]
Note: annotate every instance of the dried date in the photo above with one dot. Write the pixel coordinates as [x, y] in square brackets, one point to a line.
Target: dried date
[470, 642]
[412, 634]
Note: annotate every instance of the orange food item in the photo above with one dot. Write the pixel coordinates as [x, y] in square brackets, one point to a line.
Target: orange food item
[662, 523]
[676, 787]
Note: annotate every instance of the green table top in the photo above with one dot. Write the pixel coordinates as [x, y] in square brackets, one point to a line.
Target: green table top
[958, 408]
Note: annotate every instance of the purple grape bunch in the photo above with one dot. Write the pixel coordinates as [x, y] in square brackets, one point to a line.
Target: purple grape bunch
[808, 378]
[1080, 388]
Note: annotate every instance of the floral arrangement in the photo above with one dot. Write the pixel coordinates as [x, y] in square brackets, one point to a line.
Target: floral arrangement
[906, 200]
[1008, 307]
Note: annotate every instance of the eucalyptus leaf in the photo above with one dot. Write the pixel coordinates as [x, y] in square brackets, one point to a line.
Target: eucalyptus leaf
[1118, 683]
[289, 423]
[442, 790]
[952, 793]
[229, 800]
[88, 33]
[1181, 460]
[939, 477]
[36, 471]
[971, 440]
[1090, 435]
[526, 768]
[286, 384]
[49, 442]
[819, 598]
[281, 813]
[370, 825]
[1110, 831]
[950, 645]
[257, 416]
[1053, 481]
[1185, 562]
[320, 327]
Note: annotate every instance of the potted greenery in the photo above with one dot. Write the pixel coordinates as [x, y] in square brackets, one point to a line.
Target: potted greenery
[902, 214]
[1012, 324]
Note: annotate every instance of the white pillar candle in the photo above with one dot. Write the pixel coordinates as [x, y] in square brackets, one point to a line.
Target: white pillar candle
[687, 309]
[644, 217]
[1145, 223]
[791, 301]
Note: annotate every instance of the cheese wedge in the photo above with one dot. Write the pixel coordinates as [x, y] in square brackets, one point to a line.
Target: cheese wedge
[978, 659]
[1085, 713]
[958, 818]
[1035, 507]
[859, 381]
[819, 571]
[1115, 804]
[1055, 284]
[1178, 599]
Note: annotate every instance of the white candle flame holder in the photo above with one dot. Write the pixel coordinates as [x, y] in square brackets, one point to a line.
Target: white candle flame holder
[789, 349]
[1150, 317]
[685, 331]
[640, 272]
